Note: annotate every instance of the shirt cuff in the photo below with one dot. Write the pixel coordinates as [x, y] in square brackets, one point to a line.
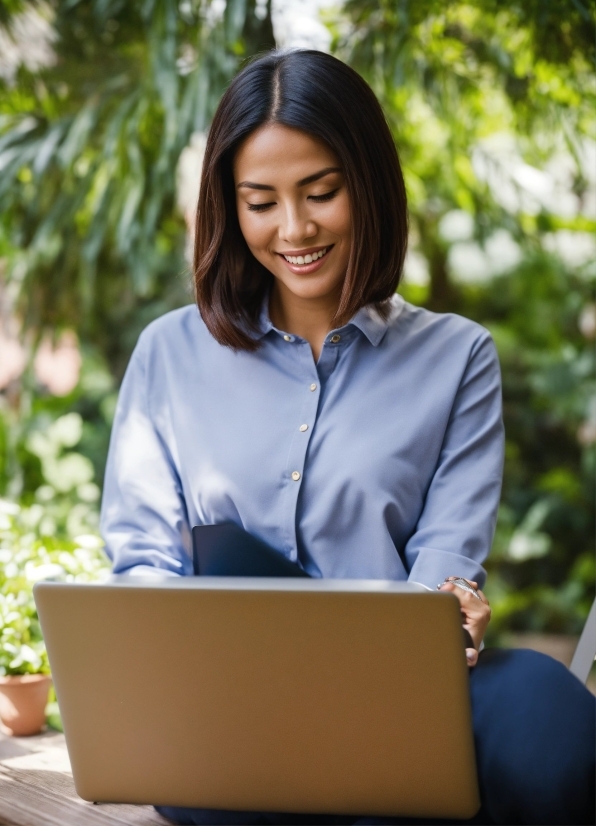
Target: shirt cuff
[431, 566]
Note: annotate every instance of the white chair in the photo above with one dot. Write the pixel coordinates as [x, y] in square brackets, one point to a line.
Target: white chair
[585, 653]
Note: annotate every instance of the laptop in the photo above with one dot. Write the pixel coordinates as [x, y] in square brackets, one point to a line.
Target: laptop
[288, 694]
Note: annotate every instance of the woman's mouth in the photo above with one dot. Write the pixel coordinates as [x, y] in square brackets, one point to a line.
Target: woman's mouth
[307, 262]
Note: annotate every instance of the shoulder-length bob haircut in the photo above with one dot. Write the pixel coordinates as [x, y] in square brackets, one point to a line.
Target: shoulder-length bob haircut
[320, 95]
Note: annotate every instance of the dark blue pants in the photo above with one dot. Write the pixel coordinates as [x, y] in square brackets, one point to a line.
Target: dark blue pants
[535, 735]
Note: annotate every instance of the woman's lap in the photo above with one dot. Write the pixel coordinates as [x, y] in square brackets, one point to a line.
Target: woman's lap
[534, 727]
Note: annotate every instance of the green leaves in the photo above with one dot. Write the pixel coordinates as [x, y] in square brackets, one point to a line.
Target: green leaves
[87, 183]
[26, 557]
[52, 536]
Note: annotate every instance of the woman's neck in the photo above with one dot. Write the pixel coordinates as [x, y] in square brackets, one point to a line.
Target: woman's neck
[310, 319]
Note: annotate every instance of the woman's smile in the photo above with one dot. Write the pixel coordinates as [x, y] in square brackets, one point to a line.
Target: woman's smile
[303, 262]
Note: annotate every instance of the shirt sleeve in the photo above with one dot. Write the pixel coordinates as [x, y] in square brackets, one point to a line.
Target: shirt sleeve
[456, 527]
[144, 521]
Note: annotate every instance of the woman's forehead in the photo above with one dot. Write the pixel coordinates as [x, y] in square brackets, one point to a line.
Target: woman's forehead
[277, 151]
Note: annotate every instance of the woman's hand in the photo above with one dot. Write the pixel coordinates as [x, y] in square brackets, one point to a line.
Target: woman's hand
[475, 613]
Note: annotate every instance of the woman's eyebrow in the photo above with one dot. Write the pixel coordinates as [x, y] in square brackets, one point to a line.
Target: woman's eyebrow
[249, 185]
[312, 178]
[308, 180]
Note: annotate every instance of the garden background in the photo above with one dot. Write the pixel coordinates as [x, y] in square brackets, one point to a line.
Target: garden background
[104, 105]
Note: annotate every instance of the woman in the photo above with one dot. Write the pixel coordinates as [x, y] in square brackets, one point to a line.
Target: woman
[358, 435]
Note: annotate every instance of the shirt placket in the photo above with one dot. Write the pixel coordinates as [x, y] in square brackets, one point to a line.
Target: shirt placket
[307, 411]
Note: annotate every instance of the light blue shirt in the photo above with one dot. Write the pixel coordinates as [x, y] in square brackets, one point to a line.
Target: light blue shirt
[383, 460]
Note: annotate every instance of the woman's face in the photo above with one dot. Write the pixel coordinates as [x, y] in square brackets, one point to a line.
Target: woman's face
[294, 211]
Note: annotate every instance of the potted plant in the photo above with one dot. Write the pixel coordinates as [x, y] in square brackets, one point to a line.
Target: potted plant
[24, 671]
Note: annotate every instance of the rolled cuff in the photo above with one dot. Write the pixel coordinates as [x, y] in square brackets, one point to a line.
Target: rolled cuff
[432, 566]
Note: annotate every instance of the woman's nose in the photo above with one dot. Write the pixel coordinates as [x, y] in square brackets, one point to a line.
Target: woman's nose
[296, 227]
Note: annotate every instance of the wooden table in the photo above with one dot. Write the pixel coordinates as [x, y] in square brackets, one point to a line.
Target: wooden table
[36, 789]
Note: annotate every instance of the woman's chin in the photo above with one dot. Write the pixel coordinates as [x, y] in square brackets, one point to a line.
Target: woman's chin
[311, 287]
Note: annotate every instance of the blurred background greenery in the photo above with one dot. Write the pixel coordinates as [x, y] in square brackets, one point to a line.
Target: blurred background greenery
[104, 105]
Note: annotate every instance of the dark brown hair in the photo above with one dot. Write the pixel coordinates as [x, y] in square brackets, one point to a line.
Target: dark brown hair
[320, 95]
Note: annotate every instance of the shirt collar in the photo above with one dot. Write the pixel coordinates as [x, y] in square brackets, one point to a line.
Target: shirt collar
[264, 323]
[374, 325]
[368, 319]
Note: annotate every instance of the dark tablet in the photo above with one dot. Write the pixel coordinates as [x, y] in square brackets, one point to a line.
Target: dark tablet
[228, 550]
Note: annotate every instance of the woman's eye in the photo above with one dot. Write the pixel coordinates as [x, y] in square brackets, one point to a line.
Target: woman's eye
[326, 197]
[260, 207]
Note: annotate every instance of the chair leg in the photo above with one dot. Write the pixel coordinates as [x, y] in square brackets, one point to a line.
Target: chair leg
[585, 653]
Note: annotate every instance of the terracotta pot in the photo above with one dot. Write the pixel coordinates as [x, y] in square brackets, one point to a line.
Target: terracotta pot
[23, 700]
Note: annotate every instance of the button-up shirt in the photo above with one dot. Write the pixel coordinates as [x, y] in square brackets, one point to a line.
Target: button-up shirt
[381, 460]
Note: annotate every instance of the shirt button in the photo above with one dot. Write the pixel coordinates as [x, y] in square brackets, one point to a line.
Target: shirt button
[313, 386]
[335, 338]
[287, 338]
[303, 427]
[295, 475]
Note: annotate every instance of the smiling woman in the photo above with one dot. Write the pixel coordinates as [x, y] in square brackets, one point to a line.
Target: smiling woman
[259, 213]
[359, 436]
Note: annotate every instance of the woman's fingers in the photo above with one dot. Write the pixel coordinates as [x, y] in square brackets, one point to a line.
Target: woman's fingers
[475, 609]
[471, 582]
[476, 612]
[466, 597]
[471, 657]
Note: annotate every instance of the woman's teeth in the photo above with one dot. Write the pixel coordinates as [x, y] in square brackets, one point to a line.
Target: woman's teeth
[305, 259]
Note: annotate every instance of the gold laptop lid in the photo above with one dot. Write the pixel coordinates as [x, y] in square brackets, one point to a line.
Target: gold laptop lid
[268, 695]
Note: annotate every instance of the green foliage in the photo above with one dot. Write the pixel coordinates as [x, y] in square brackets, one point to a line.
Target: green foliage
[38, 432]
[8, 8]
[542, 564]
[35, 544]
[88, 152]
[53, 532]
[450, 75]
